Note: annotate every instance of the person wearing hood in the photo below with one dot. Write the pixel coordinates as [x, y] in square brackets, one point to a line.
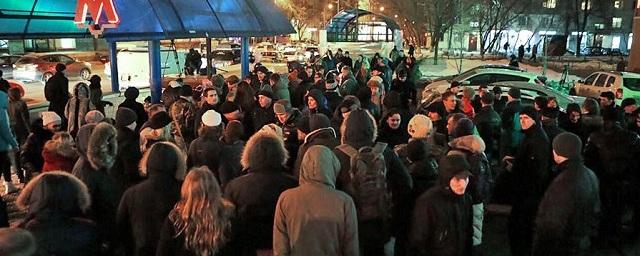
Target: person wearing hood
[256, 193]
[59, 153]
[145, 206]
[159, 129]
[359, 130]
[316, 103]
[130, 96]
[348, 104]
[77, 107]
[55, 203]
[125, 169]
[471, 147]
[531, 174]
[393, 128]
[279, 88]
[42, 130]
[317, 130]
[8, 142]
[287, 119]
[97, 146]
[315, 218]
[56, 91]
[569, 211]
[442, 220]
[263, 114]
[232, 147]
[205, 150]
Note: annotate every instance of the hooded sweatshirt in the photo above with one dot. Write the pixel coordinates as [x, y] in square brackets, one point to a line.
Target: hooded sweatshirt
[316, 209]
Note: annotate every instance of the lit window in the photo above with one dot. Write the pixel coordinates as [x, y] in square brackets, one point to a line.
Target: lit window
[586, 5]
[617, 4]
[474, 24]
[599, 25]
[616, 22]
[67, 43]
[549, 4]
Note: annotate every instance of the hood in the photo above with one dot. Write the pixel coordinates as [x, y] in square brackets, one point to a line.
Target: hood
[264, 151]
[471, 143]
[81, 90]
[62, 149]
[294, 115]
[103, 146]
[328, 132]
[319, 165]
[82, 138]
[359, 129]
[319, 97]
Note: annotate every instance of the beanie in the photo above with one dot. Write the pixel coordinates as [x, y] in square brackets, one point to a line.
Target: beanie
[568, 145]
[262, 69]
[234, 131]
[303, 124]
[419, 126]
[211, 118]
[94, 116]
[281, 107]
[125, 116]
[628, 102]
[531, 112]
[418, 150]
[228, 107]
[50, 117]
[514, 93]
[131, 93]
[319, 121]
[549, 112]
[463, 127]
[159, 120]
[265, 93]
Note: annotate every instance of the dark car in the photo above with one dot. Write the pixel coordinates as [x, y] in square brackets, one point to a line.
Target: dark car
[6, 65]
[42, 66]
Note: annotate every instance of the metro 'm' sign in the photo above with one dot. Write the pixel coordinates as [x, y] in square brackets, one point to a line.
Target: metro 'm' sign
[96, 8]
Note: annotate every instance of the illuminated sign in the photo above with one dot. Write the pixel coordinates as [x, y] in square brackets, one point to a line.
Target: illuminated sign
[96, 8]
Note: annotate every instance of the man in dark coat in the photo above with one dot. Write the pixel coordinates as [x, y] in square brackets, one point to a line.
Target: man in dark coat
[264, 114]
[287, 119]
[359, 130]
[125, 170]
[499, 102]
[56, 91]
[488, 121]
[549, 118]
[569, 211]
[256, 193]
[531, 172]
[206, 149]
[442, 221]
[130, 95]
[321, 133]
[511, 137]
[42, 130]
[331, 94]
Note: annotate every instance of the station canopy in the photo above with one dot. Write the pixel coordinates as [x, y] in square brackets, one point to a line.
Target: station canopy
[360, 25]
[146, 19]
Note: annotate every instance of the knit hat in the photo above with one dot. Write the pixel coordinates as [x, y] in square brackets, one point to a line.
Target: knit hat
[228, 107]
[159, 120]
[418, 150]
[451, 166]
[211, 118]
[419, 126]
[125, 116]
[234, 131]
[265, 93]
[262, 69]
[549, 112]
[514, 93]
[359, 129]
[94, 116]
[628, 102]
[609, 95]
[349, 103]
[463, 127]
[131, 93]
[50, 117]
[282, 107]
[568, 145]
[530, 112]
[319, 121]
[303, 124]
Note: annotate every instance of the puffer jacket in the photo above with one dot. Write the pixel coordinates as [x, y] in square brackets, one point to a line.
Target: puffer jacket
[316, 209]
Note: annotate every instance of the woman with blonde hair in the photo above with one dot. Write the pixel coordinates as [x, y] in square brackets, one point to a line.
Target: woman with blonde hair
[199, 223]
[59, 153]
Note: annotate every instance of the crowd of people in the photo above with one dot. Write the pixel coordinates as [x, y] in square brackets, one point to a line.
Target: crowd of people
[334, 158]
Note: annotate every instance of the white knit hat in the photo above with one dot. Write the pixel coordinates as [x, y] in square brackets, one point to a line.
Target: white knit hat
[420, 126]
[50, 117]
[174, 84]
[211, 118]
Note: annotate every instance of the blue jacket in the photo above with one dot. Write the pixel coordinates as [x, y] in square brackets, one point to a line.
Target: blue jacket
[7, 140]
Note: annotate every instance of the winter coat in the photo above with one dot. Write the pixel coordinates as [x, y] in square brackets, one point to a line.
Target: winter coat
[170, 95]
[487, 122]
[442, 221]
[125, 171]
[333, 100]
[281, 91]
[324, 136]
[58, 157]
[551, 128]
[95, 96]
[590, 124]
[568, 213]
[77, 107]
[31, 151]
[205, 150]
[424, 174]
[7, 140]
[19, 119]
[172, 243]
[230, 168]
[290, 132]
[262, 116]
[390, 136]
[406, 90]
[142, 212]
[507, 116]
[348, 86]
[183, 114]
[315, 210]
[138, 108]
[321, 103]
[60, 234]
[56, 91]
[255, 195]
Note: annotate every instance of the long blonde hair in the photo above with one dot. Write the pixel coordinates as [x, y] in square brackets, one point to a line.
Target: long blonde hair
[202, 215]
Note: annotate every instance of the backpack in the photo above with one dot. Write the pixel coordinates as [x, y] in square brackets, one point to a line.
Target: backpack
[368, 173]
[484, 176]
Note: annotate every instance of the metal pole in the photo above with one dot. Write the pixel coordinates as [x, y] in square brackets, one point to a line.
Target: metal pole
[244, 56]
[155, 72]
[634, 53]
[544, 68]
[209, 57]
[113, 65]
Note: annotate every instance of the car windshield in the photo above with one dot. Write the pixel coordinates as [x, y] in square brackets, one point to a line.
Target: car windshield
[26, 60]
[632, 83]
[465, 75]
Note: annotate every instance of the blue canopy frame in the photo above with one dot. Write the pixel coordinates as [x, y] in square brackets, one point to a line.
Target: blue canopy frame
[343, 26]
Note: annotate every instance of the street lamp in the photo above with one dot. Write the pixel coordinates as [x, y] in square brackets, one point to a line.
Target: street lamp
[382, 8]
[330, 6]
[395, 16]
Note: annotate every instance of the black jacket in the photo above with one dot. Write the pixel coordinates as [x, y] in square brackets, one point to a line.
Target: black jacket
[531, 165]
[325, 136]
[56, 91]
[551, 128]
[290, 133]
[262, 116]
[125, 171]
[255, 196]
[230, 168]
[31, 151]
[488, 121]
[568, 213]
[138, 108]
[205, 150]
[58, 234]
[173, 244]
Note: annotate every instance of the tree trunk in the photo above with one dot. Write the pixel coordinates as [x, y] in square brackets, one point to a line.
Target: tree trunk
[435, 52]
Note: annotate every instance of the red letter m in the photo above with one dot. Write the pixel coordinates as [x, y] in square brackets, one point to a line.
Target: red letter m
[95, 8]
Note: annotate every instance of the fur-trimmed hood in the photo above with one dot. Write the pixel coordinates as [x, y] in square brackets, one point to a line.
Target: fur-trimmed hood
[82, 138]
[264, 151]
[31, 197]
[64, 150]
[471, 143]
[103, 146]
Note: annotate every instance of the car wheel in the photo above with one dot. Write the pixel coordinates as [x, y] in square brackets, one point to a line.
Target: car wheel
[46, 76]
[85, 74]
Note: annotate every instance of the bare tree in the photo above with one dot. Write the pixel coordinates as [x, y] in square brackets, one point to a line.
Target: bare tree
[494, 17]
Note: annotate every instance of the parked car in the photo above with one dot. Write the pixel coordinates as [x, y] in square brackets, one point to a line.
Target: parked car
[309, 49]
[6, 65]
[42, 66]
[224, 57]
[598, 82]
[493, 66]
[271, 56]
[487, 76]
[592, 51]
